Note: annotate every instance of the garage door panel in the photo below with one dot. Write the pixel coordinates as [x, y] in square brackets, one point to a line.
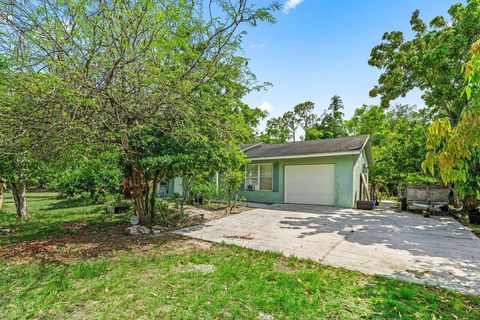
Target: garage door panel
[310, 184]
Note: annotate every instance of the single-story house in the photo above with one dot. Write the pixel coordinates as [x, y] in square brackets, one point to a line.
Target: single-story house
[324, 172]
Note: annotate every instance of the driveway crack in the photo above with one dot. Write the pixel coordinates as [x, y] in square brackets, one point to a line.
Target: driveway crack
[346, 235]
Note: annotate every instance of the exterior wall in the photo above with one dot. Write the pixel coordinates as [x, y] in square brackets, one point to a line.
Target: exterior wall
[172, 188]
[360, 161]
[343, 179]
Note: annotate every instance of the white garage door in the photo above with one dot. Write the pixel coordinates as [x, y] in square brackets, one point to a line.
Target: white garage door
[310, 184]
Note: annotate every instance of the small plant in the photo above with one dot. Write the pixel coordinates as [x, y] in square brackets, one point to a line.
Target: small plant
[176, 199]
[232, 181]
[162, 205]
[204, 189]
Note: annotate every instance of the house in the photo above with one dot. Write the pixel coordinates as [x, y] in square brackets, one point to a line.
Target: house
[325, 172]
[330, 172]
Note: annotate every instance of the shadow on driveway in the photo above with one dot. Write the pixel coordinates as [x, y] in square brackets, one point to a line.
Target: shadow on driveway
[437, 250]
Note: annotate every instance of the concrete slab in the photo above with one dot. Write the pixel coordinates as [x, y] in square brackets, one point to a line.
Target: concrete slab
[437, 251]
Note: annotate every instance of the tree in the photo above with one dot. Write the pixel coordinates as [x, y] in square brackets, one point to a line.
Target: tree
[331, 123]
[276, 131]
[34, 109]
[454, 148]
[92, 174]
[398, 137]
[290, 122]
[432, 61]
[232, 180]
[305, 116]
[135, 61]
[2, 187]
[284, 128]
[371, 120]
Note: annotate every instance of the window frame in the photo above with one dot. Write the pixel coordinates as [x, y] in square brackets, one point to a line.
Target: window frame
[258, 176]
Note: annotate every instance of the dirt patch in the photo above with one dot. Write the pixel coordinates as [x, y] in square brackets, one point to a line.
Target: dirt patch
[209, 215]
[103, 243]
[200, 268]
[282, 266]
[74, 226]
[265, 316]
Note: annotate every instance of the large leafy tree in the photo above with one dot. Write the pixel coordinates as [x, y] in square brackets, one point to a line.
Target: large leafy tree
[134, 62]
[371, 120]
[454, 148]
[431, 61]
[36, 118]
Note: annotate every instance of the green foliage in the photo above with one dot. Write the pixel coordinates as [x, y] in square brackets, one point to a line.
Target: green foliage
[102, 285]
[93, 177]
[305, 114]
[331, 124]
[431, 61]
[162, 205]
[276, 131]
[231, 182]
[454, 149]
[204, 187]
[434, 62]
[140, 66]
[399, 137]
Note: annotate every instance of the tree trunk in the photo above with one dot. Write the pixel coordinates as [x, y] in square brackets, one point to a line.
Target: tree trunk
[18, 192]
[153, 199]
[138, 194]
[137, 189]
[146, 203]
[1, 195]
[469, 203]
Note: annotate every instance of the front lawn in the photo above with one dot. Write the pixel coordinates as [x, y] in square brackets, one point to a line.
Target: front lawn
[72, 261]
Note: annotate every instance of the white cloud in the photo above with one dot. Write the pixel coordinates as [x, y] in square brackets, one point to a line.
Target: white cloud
[257, 46]
[291, 4]
[265, 106]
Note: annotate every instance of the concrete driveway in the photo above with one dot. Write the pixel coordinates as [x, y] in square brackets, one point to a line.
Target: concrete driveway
[437, 251]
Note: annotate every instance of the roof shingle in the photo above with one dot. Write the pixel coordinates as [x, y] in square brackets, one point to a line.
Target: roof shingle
[302, 148]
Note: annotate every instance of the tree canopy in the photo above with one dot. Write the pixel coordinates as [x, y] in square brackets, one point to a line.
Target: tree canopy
[130, 65]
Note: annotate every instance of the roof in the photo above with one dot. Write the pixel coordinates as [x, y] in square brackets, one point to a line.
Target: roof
[321, 147]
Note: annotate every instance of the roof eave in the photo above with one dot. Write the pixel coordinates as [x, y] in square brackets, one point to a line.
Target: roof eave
[314, 155]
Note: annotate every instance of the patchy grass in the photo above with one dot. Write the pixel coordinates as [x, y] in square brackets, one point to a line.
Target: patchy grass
[475, 228]
[172, 277]
[49, 216]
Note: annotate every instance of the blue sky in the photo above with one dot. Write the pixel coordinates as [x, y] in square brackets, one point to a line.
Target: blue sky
[320, 48]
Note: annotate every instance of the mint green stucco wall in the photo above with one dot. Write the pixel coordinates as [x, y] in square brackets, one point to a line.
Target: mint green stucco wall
[344, 191]
[360, 161]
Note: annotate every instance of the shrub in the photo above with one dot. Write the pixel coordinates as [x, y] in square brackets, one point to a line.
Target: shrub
[93, 178]
[203, 188]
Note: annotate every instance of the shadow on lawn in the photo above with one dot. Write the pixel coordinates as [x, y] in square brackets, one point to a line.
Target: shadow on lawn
[87, 242]
[70, 203]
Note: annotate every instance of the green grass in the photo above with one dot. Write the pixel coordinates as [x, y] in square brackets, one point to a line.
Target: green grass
[49, 216]
[475, 228]
[158, 278]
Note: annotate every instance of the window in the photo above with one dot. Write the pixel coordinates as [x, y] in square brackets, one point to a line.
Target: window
[259, 177]
[266, 176]
[251, 177]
